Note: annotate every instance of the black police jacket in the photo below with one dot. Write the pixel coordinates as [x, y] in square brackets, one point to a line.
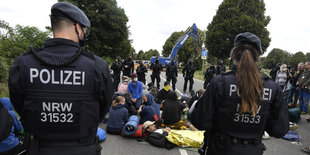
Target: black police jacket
[60, 102]
[189, 70]
[156, 67]
[172, 70]
[217, 110]
[117, 68]
[141, 70]
[128, 65]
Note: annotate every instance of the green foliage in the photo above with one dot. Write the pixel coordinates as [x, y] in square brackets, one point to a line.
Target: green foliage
[109, 60]
[234, 17]
[198, 63]
[308, 56]
[297, 58]
[109, 31]
[187, 51]
[275, 56]
[4, 69]
[16, 41]
[148, 54]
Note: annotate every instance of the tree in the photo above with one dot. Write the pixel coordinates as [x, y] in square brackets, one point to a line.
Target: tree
[187, 51]
[16, 41]
[109, 31]
[170, 42]
[275, 56]
[297, 58]
[234, 17]
[148, 54]
[308, 56]
[140, 55]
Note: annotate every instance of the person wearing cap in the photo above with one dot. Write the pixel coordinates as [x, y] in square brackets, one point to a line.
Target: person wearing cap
[156, 67]
[172, 73]
[209, 74]
[135, 88]
[240, 105]
[188, 74]
[157, 137]
[128, 66]
[61, 91]
[117, 68]
[141, 71]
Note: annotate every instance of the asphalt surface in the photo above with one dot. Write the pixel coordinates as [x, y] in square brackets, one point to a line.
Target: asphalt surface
[117, 145]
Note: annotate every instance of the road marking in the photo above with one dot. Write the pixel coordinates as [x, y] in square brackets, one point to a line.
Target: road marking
[183, 152]
[177, 90]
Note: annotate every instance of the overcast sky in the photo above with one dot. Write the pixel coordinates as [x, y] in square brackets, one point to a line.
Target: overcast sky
[153, 21]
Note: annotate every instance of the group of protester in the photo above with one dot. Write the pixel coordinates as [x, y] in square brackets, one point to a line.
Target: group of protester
[146, 105]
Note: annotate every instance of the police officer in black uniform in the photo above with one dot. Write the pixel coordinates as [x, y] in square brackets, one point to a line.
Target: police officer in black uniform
[188, 74]
[141, 70]
[220, 68]
[172, 73]
[239, 105]
[61, 91]
[117, 68]
[156, 67]
[128, 66]
[209, 74]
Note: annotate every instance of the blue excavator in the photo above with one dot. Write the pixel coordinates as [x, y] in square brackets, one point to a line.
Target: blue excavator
[190, 31]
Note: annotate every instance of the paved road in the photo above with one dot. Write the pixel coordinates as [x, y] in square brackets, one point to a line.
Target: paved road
[117, 145]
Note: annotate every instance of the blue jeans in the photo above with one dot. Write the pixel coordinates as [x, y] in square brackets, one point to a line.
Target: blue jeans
[293, 91]
[303, 100]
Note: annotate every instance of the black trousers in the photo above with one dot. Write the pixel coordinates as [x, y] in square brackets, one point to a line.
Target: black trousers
[174, 81]
[141, 78]
[117, 79]
[157, 78]
[127, 72]
[191, 82]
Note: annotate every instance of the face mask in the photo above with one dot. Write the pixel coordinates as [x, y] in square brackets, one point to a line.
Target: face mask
[82, 42]
[135, 79]
[167, 87]
[156, 61]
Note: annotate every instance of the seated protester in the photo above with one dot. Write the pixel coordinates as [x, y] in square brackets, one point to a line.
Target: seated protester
[154, 93]
[157, 137]
[123, 87]
[135, 88]
[11, 144]
[129, 105]
[149, 109]
[172, 111]
[162, 95]
[118, 116]
[195, 97]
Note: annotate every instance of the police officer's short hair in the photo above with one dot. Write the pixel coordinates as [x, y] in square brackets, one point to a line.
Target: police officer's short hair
[58, 22]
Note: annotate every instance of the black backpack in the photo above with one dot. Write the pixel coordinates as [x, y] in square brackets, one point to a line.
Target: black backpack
[6, 123]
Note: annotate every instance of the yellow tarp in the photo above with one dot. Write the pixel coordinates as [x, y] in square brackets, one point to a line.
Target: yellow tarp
[186, 138]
